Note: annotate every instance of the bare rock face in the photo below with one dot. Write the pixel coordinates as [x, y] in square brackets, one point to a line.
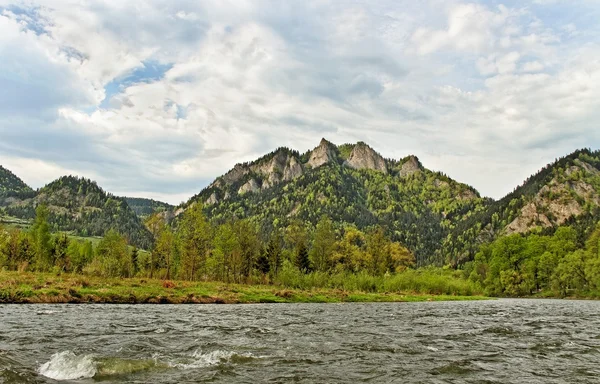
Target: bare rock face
[281, 167]
[235, 174]
[212, 199]
[527, 219]
[561, 206]
[323, 154]
[250, 186]
[410, 167]
[292, 170]
[364, 157]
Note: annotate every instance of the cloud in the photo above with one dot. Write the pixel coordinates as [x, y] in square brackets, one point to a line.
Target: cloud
[158, 98]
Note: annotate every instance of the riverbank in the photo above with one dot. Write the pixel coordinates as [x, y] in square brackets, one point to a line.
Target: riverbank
[18, 287]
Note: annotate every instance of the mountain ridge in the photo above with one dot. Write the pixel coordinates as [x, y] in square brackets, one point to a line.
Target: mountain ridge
[441, 220]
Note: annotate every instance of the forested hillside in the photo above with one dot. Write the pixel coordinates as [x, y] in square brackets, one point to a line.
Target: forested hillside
[146, 207]
[81, 206]
[280, 198]
[12, 187]
[564, 193]
[351, 184]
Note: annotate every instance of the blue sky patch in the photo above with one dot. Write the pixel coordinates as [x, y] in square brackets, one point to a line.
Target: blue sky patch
[151, 71]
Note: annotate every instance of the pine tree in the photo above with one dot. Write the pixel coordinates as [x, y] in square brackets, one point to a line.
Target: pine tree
[302, 260]
[262, 263]
[134, 261]
[273, 253]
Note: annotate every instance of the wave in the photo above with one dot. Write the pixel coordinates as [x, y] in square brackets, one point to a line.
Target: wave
[207, 359]
[68, 366]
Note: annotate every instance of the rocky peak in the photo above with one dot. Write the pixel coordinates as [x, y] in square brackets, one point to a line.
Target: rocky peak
[410, 166]
[322, 154]
[236, 173]
[250, 186]
[292, 170]
[364, 157]
[281, 167]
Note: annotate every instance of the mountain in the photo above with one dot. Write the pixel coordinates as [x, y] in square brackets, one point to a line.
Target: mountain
[566, 192]
[147, 207]
[12, 187]
[352, 184]
[80, 205]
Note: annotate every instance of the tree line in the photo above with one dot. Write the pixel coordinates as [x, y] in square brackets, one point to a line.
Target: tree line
[198, 250]
[522, 265]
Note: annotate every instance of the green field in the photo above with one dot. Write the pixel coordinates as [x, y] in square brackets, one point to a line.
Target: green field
[19, 287]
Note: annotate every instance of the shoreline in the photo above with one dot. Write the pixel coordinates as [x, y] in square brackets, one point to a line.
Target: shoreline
[45, 288]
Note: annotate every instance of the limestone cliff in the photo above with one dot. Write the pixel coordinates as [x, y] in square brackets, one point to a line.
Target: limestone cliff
[323, 154]
[364, 157]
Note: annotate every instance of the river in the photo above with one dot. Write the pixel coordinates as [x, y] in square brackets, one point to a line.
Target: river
[499, 341]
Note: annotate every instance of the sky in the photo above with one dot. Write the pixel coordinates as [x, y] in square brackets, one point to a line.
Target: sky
[157, 98]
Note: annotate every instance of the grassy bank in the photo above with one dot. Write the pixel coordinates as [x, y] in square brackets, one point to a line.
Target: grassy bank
[18, 287]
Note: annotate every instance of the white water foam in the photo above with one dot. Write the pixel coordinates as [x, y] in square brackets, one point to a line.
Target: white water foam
[202, 359]
[68, 366]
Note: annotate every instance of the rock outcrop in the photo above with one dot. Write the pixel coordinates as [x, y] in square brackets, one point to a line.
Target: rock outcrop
[364, 157]
[212, 199]
[235, 174]
[281, 167]
[410, 166]
[250, 186]
[322, 154]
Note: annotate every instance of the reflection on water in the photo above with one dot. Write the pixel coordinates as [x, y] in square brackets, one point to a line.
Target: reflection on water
[502, 341]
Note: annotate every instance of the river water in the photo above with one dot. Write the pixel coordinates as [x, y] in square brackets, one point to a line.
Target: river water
[500, 341]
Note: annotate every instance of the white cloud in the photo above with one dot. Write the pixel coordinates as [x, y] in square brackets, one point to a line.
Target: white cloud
[487, 94]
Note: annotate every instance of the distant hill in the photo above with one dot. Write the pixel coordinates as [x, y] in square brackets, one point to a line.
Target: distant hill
[147, 207]
[12, 187]
[80, 205]
[566, 192]
[441, 221]
[352, 184]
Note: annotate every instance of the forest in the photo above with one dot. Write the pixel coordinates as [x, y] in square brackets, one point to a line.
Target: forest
[373, 224]
[557, 265]
[232, 252]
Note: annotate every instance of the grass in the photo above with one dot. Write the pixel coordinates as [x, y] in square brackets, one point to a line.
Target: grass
[25, 287]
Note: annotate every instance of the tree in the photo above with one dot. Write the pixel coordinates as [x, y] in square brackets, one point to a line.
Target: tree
[249, 246]
[273, 253]
[59, 253]
[377, 251]
[78, 255]
[164, 251]
[262, 263]
[226, 252]
[349, 254]
[112, 256]
[195, 238]
[40, 234]
[154, 223]
[400, 258]
[302, 259]
[323, 245]
[135, 261]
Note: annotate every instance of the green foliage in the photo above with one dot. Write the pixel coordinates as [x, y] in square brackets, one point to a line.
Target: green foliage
[195, 237]
[81, 206]
[12, 186]
[417, 210]
[522, 265]
[112, 257]
[147, 207]
[40, 235]
[555, 183]
[323, 245]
